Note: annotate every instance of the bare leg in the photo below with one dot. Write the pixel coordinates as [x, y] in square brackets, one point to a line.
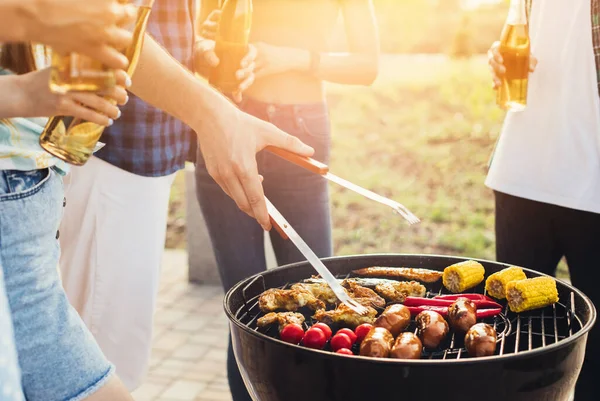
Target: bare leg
[113, 390]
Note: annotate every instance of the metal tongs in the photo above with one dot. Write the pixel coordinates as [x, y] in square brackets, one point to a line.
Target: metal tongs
[287, 232]
[323, 170]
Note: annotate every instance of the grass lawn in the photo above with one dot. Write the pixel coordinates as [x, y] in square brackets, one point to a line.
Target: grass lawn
[422, 135]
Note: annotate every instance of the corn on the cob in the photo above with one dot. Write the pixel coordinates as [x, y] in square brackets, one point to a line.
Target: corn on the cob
[462, 276]
[532, 293]
[495, 284]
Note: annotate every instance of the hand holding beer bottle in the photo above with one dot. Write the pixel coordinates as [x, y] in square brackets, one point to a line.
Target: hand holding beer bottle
[99, 109]
[206, 61]
[231, 44]
[497, 67]
[90, 27]
[514, 49]
[74, 140]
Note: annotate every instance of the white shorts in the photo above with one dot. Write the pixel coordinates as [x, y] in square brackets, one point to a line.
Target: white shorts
[112, 238]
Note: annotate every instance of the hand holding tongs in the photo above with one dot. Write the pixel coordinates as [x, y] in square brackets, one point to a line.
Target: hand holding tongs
[287, 232]
[323, 170]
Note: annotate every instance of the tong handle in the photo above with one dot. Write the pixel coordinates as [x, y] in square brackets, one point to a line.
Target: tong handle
[278, 228]
[308, 163]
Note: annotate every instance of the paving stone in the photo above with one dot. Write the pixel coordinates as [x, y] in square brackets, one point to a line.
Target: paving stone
[148, 392]
[183, 390]
[191, 331]
[191, 352]
[170, 341]
[192, 323]
[214, 396]
[170, 316]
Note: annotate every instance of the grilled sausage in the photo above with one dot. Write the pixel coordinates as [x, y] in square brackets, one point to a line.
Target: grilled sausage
[377, 343]
[395, 318]
[462, 314]
[480, 340]
[407, 346]
[432, 328]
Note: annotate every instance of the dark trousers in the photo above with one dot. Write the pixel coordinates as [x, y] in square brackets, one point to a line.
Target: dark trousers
[537, 235]
[302, 197]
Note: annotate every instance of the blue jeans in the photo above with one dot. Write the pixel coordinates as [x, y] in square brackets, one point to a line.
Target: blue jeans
[10, 374]
[302, 197]
[58, 356]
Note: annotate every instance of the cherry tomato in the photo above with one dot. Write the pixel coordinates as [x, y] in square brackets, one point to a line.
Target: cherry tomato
[349, 333]
[362, 330]
[314, 338]
[344, 351]
[292, 333]
[324, 328]
[339, 341]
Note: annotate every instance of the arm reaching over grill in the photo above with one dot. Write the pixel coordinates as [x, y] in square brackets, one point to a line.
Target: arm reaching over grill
[289, 300]
[344, 316]
[281, 318]
[405, 273]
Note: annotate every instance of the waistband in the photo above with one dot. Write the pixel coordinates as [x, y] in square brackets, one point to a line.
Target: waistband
[267, 111]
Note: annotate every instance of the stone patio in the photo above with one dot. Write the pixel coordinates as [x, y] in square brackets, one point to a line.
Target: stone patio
[190, 339]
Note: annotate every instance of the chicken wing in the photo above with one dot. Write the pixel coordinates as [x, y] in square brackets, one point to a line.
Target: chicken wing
[281, 318]
[399, 290]
[364, 296]
[321, 291]
[289, 300]
[345, 316]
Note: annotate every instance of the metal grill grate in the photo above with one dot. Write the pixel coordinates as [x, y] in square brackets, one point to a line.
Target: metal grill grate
[516, 332]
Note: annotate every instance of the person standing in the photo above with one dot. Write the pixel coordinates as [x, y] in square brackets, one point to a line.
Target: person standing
[113, 231]
[545, 172]
[293, 59]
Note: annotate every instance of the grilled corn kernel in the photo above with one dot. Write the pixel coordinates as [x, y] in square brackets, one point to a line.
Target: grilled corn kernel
[495, 284]
[462, 276]
[533, 293]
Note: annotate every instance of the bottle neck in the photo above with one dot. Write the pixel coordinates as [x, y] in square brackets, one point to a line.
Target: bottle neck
[517, 14]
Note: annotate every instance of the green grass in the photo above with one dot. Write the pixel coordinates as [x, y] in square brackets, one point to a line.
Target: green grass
[421, 135]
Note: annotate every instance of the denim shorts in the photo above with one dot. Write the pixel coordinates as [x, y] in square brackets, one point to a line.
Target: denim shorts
[10, 378]
[58, 357]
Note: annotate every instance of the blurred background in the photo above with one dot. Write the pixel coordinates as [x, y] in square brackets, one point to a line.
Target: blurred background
[423, 134]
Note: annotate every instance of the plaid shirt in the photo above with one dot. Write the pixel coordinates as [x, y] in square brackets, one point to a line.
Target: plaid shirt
[596, 36]
[146, 141]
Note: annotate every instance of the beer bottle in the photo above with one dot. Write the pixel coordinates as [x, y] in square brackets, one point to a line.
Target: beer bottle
[76, 72]
[515, 51]
[231, 43]
[75, 140]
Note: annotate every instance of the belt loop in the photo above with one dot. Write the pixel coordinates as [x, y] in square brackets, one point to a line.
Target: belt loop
[297, 116]
[270, 111]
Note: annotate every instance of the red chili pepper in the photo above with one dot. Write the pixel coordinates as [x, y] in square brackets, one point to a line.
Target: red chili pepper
[417, 301]
[415, 310]
[443, 310]
[472, 297]
[483, 313]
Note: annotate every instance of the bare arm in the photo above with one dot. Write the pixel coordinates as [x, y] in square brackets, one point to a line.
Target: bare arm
[29, 95]
[359, 66]
[89, 27]
[229, 139]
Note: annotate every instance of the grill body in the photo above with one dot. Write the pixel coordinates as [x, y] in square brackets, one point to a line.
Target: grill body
[526, 370]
